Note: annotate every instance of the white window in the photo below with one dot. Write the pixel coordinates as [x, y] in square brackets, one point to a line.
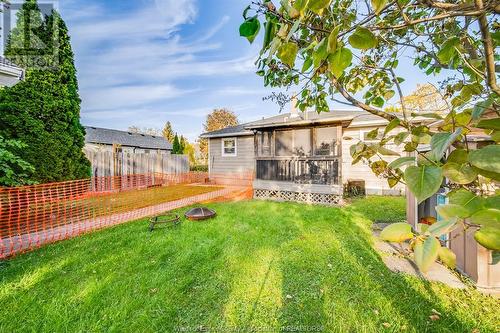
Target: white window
[229, 147]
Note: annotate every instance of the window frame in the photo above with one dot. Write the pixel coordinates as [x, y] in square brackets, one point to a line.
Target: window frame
[235, 139]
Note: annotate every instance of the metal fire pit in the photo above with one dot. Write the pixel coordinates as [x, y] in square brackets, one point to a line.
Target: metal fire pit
[170, 220]
[200, 213]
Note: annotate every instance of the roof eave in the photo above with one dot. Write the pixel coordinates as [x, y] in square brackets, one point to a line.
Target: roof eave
[300, 123]
[224, 135]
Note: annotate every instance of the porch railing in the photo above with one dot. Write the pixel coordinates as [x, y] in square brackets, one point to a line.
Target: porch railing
[310, 170]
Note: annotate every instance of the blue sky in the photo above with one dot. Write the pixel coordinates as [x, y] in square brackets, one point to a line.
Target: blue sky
[145, 62]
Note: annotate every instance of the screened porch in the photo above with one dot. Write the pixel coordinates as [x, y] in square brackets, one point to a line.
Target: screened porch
[305, 155]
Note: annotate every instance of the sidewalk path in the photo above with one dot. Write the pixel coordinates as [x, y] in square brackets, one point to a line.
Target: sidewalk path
[20, 243]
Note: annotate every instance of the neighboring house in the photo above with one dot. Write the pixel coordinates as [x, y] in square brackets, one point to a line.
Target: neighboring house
[299, 156]
[10, 74]
[105, 139]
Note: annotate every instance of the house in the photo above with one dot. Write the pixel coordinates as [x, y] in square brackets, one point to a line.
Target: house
[105, 139]
[299, 156]
[10, 74]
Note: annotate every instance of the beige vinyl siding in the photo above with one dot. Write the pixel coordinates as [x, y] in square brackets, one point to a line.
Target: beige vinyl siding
[243, 161]
[374, 185]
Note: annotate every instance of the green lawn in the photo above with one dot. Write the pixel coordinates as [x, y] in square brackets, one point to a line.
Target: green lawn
[262, 265]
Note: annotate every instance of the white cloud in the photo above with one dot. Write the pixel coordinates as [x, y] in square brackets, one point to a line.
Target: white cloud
[126, 96]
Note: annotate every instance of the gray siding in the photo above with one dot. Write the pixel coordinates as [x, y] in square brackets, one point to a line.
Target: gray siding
[243, 162]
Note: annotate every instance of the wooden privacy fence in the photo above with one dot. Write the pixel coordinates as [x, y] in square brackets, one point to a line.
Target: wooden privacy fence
[108, 163]
[31, 216]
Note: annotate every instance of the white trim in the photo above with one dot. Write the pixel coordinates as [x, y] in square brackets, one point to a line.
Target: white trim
[235, 147]
[209, 157]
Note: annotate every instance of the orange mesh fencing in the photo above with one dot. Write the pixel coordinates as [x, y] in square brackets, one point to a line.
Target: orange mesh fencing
[31, 216]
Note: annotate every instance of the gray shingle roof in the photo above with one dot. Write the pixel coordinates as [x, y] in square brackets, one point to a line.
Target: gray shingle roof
[111, 136]
[238, 130]
[310, 117]
[352, 118]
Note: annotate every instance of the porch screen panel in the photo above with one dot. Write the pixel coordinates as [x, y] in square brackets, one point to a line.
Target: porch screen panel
[264, 140]
[326, 141]
[302, 142]
[284, 143]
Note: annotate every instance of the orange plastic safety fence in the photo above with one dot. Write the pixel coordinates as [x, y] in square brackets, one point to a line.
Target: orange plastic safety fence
[31, 216]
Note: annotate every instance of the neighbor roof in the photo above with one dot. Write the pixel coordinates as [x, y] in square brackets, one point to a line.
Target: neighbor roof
[111, 136]
[11, 73]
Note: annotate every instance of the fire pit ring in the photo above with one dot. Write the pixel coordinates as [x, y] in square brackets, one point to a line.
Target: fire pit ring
[200, 213]
[170, 220]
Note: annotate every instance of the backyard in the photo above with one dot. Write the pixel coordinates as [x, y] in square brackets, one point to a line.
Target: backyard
[262, 265]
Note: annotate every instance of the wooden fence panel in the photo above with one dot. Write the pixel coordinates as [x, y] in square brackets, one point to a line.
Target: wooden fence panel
[103, 163]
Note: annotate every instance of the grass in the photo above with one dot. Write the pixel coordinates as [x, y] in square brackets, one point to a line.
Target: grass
[386, 209]
[268, 266]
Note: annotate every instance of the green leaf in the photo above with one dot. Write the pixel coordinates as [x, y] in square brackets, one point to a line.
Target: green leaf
[480, 107]
[307, 64]
[459, 173]
[427, 115]
[392, 125]
[492, 202]
[447, 257]
[270, 31]
[400, 137]
[287, 53]
[448, 51]
[372, 135]
[440, 142]
[363, 39]
[378, 5]
[320, 53]
[250, 28]
[402, 161]
[378, 101]
[423, 181]
[339, 61]
[396, 232]
[452, 210]
[487, 158]
[332, 40]
[442, 227]
[386, 152]
[300, 5]
[495, 257]
[318, 6]
[487, 217]
[489, 238]
[493, 124]
[458, 156]
[423, 227]
[426, 253]
[466, 199]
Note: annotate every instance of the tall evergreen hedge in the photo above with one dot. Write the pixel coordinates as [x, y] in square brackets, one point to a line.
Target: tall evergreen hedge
[43, 111]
